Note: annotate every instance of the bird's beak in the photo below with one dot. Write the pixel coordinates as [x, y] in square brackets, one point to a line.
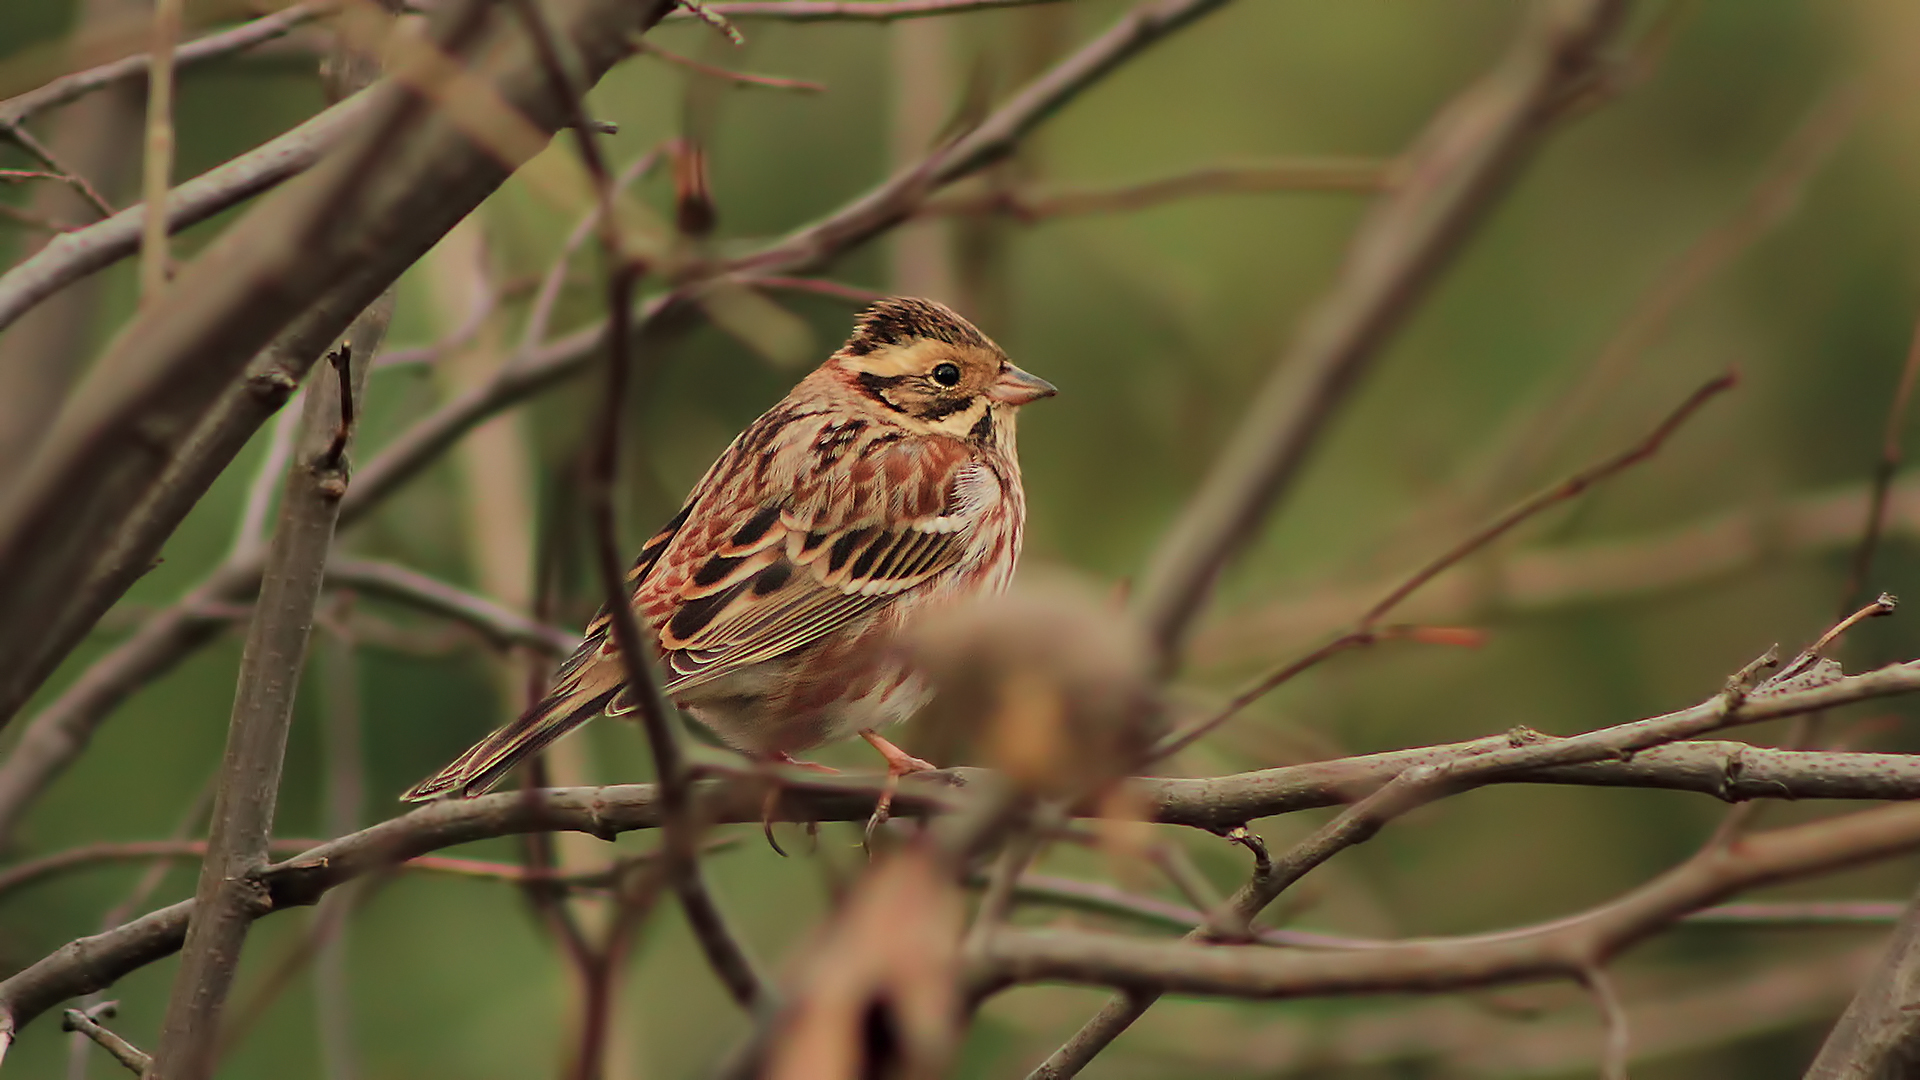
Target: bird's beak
[1016, 387]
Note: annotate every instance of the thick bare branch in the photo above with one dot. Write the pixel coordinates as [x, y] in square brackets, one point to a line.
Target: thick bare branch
[1461, 164]
[1727, 770]
[74, 254]
[58, 734]
[1563, 948]
[270, 667]
[363, 216]
[1879, 1034]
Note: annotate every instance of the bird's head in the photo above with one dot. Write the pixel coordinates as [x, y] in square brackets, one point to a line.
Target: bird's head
[931, 369]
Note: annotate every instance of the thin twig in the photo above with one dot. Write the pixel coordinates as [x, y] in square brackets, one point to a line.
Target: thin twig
[346, 792]
[1567, 489]
[1884, 471]
[724, 952]
[500, 624]
[1368, 630]
[21, 137]
[739, 78]
[238, 844]
[1568, 947]
[343, 238]
[1332, 175]
[77, 183]
[157, 166]
[124, 1052]
[1770, 200]
[69, 87]
[837, 10]
[1617, 1048]
[78, 252]
[1454, 173]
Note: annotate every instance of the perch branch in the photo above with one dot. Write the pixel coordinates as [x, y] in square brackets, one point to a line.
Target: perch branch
[1726, 770]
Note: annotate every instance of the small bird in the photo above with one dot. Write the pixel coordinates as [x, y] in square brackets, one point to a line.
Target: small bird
[884, 485]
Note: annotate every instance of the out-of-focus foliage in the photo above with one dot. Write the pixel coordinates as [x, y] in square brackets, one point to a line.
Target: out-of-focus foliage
[1156, 325]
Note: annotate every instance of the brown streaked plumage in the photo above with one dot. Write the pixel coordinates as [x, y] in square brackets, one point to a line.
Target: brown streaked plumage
[885, 483]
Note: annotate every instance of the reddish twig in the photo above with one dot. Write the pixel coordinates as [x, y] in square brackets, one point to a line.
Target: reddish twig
[722, 948]
[1332, 175]
[1883, 473]
[836, 10]
[740, 78]
[12, 131]
[1369, 631]
[1567, 489]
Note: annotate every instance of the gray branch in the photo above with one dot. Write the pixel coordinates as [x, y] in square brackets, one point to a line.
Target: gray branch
[270, 667]
[1722, 769]
[378, 202]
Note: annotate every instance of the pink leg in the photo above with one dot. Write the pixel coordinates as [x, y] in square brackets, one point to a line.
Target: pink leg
[781, 757]
[899, 764]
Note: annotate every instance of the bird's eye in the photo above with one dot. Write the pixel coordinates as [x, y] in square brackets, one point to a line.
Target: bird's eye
[946, 374]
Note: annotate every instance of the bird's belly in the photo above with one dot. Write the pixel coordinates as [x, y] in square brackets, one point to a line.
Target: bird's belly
[793, 704]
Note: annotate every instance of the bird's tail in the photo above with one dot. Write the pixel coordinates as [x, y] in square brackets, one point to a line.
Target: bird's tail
[492, 758]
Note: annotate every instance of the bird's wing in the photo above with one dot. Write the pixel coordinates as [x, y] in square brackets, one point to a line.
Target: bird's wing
[771, 563]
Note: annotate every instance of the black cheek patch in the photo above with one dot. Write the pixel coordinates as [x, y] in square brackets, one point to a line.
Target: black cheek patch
[940, 410]
[877, 386]
[982, 429]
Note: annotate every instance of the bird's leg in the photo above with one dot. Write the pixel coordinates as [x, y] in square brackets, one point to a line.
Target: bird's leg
[899, 764]
[772, 803]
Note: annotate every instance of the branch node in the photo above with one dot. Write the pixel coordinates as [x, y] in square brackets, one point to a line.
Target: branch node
[699, 10]
[87, 1022]
[332, 461]
[1247, 838]
[273, 387]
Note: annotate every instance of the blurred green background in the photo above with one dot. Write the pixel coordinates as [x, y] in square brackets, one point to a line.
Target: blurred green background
[1157, 324]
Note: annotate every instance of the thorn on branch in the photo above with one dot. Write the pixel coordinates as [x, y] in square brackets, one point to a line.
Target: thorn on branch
[87, 1022]
[1741, 683]
[342, 361]
[1247, 838]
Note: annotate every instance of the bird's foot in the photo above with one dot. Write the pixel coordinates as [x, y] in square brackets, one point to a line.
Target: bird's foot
[899, 764]
[772, 803]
